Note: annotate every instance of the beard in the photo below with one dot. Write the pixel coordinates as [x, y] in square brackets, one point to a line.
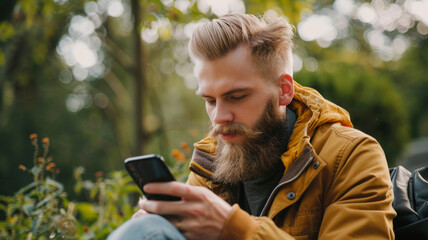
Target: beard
[257, 155]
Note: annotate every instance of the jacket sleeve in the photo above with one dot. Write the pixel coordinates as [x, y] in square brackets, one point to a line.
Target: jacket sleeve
[240, 225]
[358, 201]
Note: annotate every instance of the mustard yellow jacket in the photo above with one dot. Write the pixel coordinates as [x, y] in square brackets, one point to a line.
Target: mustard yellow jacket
[336, 183]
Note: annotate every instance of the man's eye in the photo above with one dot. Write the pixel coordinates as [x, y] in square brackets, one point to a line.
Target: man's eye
[237, 97]
[210, 101]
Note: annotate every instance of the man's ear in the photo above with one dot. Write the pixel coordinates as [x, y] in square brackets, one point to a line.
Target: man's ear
[286, 89]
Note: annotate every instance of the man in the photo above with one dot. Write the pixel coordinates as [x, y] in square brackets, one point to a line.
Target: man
[281, 162]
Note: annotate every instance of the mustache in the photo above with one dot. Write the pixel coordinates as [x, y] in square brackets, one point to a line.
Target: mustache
[234, 128]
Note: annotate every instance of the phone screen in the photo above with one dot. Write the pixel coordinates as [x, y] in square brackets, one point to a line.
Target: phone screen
[150, 168]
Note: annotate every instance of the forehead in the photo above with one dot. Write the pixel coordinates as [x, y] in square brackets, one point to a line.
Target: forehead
[232, 71]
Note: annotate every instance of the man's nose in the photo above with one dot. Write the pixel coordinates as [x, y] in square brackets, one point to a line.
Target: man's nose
[222, 115]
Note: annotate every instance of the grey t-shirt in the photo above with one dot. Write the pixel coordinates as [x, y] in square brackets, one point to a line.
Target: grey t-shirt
[257, 191]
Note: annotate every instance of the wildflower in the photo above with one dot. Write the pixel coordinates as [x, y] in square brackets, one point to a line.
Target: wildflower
[22, 167]
[185, 147]
[50, 166]
[41, 160]
[86, 228]
[99, 174]
[45, 141]
[11, 219]
[33, 138]
[179, 157]
[175, 153]
[67, 227]
[50, 158]
[57, 171]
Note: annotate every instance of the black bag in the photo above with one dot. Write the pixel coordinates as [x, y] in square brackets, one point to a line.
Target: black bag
[410, 202]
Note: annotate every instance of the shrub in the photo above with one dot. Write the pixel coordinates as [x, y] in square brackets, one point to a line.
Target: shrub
[42, 210]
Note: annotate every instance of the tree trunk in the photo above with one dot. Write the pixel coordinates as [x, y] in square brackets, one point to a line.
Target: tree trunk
[139, 80]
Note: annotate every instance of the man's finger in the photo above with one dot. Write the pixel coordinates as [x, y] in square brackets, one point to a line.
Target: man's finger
[139, 213]
[175, 189]
[179, 208]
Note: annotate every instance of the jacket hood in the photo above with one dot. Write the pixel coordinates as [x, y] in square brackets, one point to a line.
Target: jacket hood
[312, 111]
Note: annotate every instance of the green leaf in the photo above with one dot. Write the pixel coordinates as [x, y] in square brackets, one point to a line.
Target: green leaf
[44, 228]
[131, 189]
[6, 31]
[36, 223]
[78, 187]
[87, 212]
[11, 209]
[26, 188]
[64, 200]
[35, 194]
[6, 199]
[28, 208]
[44, 188]
[93, 193]
[103, 233]
[37, 211]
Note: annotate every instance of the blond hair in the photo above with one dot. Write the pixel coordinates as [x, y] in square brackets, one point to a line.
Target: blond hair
[270, 44]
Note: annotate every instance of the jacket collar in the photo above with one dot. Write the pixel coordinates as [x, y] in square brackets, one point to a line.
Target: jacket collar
[203, 164]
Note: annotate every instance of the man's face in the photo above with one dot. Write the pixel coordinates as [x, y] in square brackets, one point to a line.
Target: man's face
[244, 109]
[256, 156]
[234, 92]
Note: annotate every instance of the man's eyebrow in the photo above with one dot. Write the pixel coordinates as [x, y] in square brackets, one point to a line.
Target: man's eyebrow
[202, 95]
[238, 90]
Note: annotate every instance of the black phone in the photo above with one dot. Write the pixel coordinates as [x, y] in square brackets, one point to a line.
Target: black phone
[150, 168]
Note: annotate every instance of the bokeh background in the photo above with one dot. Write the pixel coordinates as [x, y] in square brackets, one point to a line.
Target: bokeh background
[109, 79]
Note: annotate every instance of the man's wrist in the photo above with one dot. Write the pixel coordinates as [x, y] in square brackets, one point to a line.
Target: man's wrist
[239, 225]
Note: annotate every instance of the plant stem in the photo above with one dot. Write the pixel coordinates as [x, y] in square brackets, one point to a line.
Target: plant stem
[101, 203]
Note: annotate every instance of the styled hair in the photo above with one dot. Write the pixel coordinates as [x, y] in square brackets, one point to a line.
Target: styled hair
[270, 43]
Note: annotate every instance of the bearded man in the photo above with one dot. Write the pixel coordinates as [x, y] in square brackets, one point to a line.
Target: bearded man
[280, 162]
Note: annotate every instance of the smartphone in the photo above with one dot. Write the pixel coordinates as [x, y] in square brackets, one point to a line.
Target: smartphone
[150, 168]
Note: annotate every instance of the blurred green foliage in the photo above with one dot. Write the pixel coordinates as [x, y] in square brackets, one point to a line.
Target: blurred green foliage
[43, 209]
[89, 112]
[375, 106]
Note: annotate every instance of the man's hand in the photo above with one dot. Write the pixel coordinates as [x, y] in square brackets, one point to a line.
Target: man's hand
[140, 212]
[199, 215]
